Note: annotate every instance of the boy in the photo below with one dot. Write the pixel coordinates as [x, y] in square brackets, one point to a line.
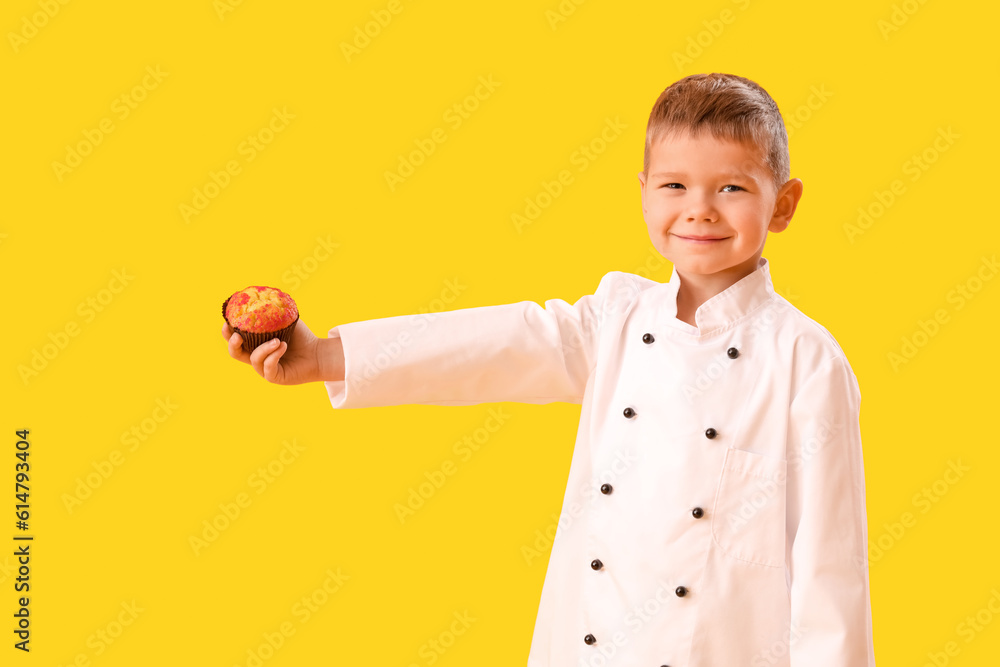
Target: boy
[717, 483]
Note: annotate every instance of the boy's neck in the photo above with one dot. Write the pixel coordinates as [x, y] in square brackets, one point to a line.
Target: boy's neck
[696, 289]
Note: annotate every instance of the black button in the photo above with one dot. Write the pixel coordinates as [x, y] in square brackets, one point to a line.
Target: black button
[596, 564]
[697, 512]
[710, 433]
[681, 591]
[590, 639]
[647, 338]
[605, 489]
[733, 352]
[629, 412]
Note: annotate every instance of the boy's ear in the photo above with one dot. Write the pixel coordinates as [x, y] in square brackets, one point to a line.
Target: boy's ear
[784, 205]
[642, 190]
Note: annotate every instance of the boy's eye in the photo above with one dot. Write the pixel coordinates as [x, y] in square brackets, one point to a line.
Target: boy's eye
[679, 186]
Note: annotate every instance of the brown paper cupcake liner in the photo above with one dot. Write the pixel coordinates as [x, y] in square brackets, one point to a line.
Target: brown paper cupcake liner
[251, 339]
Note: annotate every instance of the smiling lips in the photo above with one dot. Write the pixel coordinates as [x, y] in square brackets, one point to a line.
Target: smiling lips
[700, 239]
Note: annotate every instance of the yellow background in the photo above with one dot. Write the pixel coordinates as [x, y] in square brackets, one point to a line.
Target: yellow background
[888, 94]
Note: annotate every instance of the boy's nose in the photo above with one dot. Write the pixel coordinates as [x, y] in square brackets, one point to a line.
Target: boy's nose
[701, 209]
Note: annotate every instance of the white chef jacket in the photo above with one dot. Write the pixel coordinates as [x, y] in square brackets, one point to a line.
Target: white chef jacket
[715, 510]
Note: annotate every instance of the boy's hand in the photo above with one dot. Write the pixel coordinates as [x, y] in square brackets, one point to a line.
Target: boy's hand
[306, 358]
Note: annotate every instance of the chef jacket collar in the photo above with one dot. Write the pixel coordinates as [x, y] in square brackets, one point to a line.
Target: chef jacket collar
[729, 305]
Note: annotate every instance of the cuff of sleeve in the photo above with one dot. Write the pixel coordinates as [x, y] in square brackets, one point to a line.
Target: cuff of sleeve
[338, 389]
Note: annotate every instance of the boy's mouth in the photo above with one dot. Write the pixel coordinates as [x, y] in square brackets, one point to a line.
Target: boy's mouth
[700, 239]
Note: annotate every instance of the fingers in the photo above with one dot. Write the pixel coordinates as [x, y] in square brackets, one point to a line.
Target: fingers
[264, 359]
[236, 350]
[272, 372]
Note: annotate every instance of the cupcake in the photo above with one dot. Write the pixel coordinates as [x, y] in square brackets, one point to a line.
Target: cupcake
[259, 314]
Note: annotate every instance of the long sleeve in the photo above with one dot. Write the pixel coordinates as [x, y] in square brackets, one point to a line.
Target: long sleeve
[513, 352]
[827, 523]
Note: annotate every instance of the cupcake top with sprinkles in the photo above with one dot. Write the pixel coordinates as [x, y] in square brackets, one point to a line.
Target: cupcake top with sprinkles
[260, 309]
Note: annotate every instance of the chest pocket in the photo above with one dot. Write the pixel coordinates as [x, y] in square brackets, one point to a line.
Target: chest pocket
[749, 518]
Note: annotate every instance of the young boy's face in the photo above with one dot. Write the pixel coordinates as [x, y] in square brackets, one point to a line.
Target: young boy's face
[709, 203]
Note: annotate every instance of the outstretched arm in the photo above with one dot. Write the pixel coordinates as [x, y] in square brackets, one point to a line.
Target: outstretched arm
[513, 352]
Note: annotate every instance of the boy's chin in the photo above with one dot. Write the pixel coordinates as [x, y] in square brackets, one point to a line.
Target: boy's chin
[707, 268]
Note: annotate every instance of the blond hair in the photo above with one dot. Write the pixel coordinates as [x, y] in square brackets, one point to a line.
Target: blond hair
[729, 106]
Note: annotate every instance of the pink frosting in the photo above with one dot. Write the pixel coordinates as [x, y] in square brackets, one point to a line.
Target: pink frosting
[261, 309]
